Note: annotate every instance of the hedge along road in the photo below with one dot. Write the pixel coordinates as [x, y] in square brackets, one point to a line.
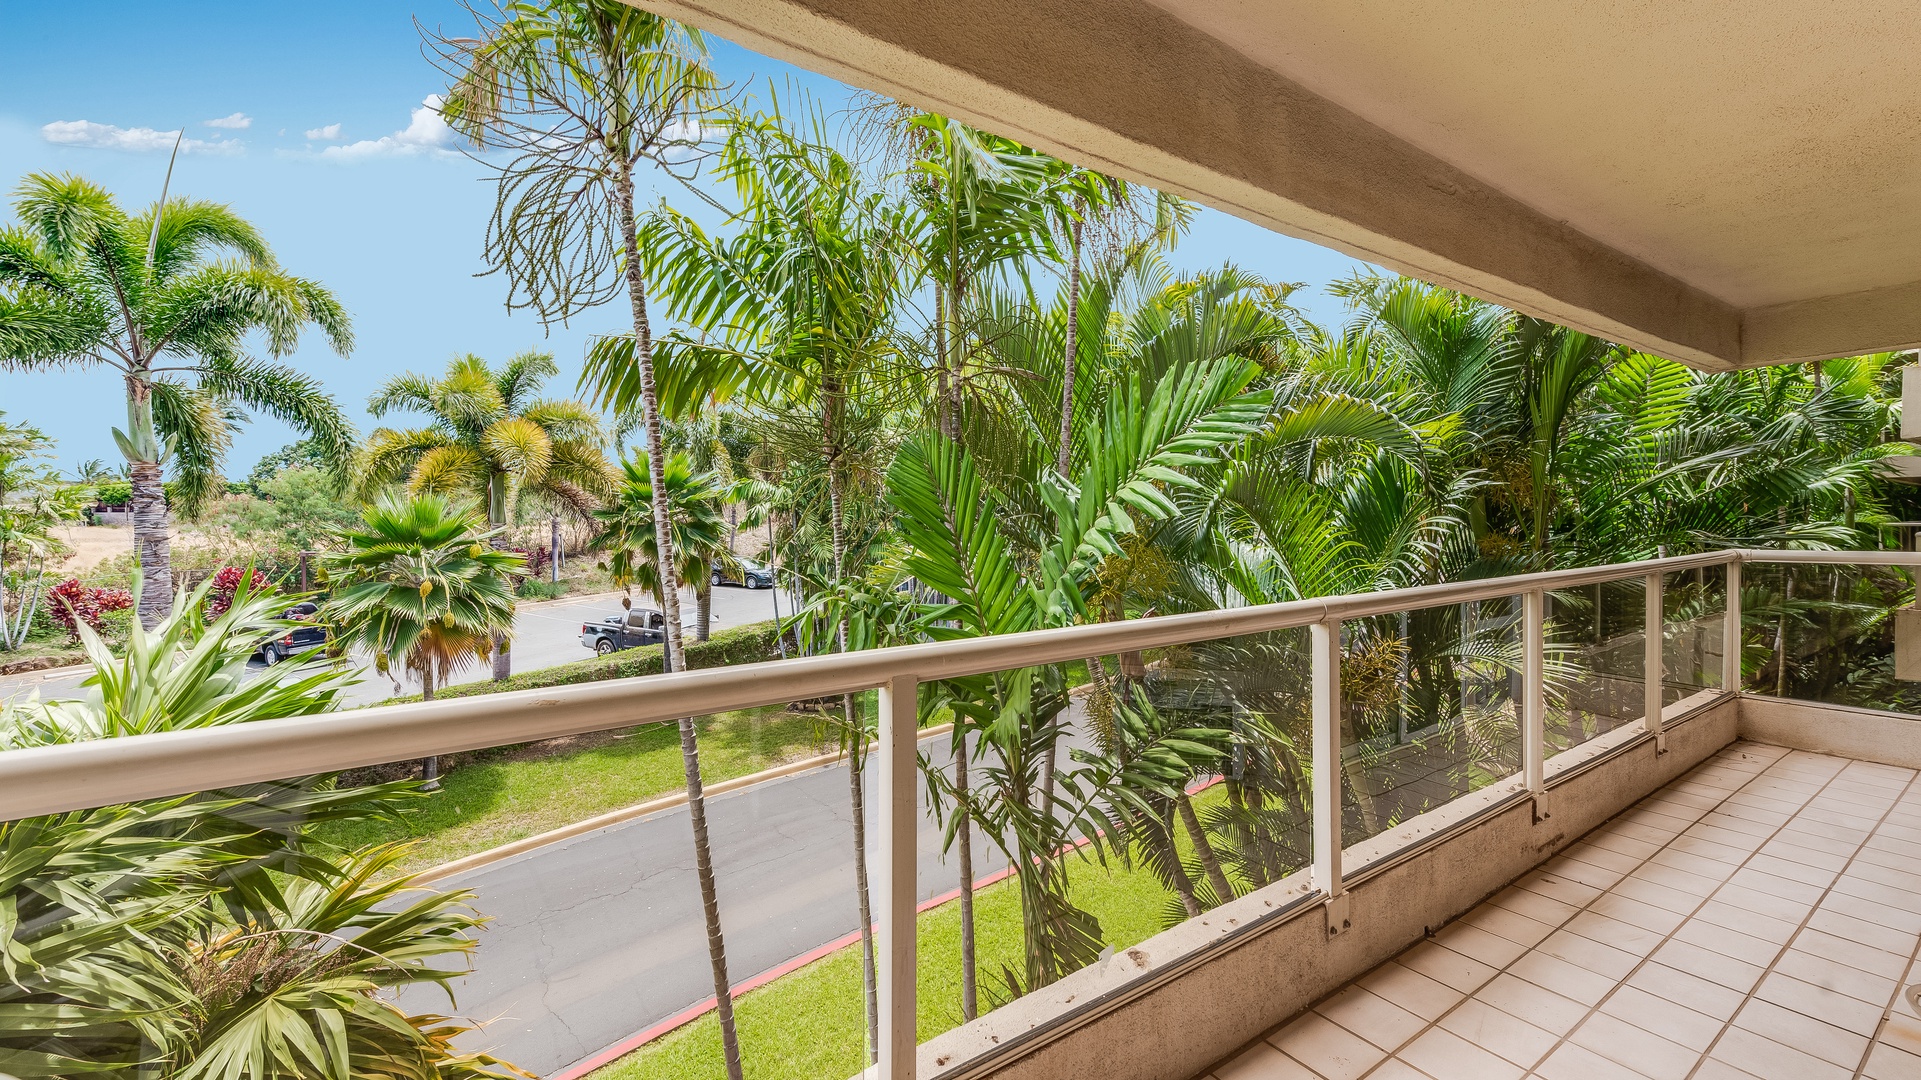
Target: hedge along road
[545, 633]
[600, 936]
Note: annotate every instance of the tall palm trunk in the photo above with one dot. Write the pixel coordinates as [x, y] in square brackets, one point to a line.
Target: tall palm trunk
[151, 523]
[670, 604]
[1204, 850]
[703, 608]
[1063, 456]
[856, 728]
[947, 340]
[497, 519]
[1183, 885]
[430, 765]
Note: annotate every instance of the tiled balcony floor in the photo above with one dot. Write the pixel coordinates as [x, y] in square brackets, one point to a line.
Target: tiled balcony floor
[1755, 920]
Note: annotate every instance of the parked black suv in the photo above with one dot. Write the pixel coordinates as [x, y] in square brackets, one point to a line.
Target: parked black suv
[297, 639]
[632, 629]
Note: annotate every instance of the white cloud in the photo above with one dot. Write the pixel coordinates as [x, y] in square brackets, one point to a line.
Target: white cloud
[324, 134]
[134, 140]
[237, 122]
[425, 133]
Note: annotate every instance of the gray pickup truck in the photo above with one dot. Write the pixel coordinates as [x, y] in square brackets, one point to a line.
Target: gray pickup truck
[628, 630]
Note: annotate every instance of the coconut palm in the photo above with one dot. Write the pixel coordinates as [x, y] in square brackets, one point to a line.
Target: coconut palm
[489, 439]
[83, 284]
[202, 937]
[419, 586]
[626, 531]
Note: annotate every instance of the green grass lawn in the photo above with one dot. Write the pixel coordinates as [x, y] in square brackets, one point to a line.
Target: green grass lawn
[810, 1025]
[497, 797]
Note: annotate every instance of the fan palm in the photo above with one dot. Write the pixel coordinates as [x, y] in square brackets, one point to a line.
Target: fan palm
[83, 283]
[418, 585]
[698, 501]
[490, 439]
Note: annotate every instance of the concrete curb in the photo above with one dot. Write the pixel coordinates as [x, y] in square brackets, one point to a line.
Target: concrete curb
[628, 813]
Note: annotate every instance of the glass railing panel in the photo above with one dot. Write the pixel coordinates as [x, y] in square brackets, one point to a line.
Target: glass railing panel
[1833, 633]
[1695, 604]
[1596, 660]
[1430, 710]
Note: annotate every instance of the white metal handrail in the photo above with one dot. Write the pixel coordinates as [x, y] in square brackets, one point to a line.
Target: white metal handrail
[49, 780]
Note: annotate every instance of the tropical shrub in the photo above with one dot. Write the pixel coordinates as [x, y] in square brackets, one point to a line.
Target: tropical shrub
[73, 604]
[748, 644]
[226, 582]
[211, 936]
[113, 493]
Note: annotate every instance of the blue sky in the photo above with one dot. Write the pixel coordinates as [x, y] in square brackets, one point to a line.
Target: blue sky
[307, 119]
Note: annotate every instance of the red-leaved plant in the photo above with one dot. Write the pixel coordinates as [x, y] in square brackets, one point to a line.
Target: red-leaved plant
[226, 582]
[71, 602]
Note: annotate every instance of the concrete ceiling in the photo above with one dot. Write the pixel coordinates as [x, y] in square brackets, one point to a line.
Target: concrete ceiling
[1725, 183]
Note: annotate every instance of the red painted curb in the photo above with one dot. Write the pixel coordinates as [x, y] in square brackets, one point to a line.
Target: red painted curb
[631, 1043]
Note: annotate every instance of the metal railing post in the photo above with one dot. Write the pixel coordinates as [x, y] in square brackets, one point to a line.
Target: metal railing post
[1655, 629]
[899, 821]
[1731, 634]
[1326, 648]
[1534, 698]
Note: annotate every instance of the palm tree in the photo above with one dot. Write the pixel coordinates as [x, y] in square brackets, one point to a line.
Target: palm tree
[488, 439]
[82, 283]
[418, 585]
[699, 502]
[582, 93]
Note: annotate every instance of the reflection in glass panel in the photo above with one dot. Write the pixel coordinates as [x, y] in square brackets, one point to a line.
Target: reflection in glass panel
[1695, 608]
[1429, 710]
[1843, 635]
[1596, 657]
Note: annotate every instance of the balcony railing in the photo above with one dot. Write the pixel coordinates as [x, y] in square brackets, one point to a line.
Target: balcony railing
[1365, 783]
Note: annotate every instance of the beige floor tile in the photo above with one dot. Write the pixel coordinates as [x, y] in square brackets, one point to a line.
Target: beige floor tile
[1686, 990]
[1511, 925]
[1537, 1005]
[1598, 878]
[1851, 884]
[1496, 1031]
[1862, 931]
[1571, 1062]
[1263, 1062]
[1894, 918]
[1809, 966]
[1608, 858]
[1396, 1070]
[1633, 940]
[1710, 965]
[1866, 958]
[1448, 967]
[1812, 876]
[1635, 913]
[1585, 952]
[1800, 894]
[1411, 990]
[1534, 905]
[1763, 901]
[1654, 894]
[1766, 1058]
[1662, 1017]
[1902, 1031]
[1446, 1056]
[1785, 849]
[1560, 887]
[1643, 1051]
[1702, 855]
[1838, 1009]
[1327, 1048]
[1804, 1033]
[1886, 1062]
[1477, 944]
[1634, 849]
[1556, 974]
[1688, 882]
[1906, 881]
[1372, 1017]
[1733, 943]
[1873, 855]
[1721, 1070]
